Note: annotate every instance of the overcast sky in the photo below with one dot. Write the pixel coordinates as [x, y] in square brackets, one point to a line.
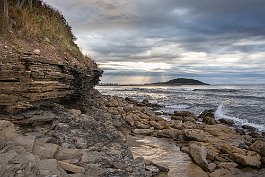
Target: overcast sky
[141, 41]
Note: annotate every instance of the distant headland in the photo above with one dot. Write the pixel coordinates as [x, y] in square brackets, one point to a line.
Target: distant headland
[173, 82]
[180, 81]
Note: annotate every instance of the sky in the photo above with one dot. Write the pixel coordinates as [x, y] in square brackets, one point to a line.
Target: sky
[145, 41]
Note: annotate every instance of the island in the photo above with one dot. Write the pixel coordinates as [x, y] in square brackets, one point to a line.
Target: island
[173, 82]
[180, 81]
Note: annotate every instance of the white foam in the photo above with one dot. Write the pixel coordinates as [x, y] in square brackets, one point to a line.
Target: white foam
[178, 106]
[220, 113]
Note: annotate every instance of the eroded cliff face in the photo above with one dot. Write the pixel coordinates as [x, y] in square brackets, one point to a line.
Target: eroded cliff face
[31, 78]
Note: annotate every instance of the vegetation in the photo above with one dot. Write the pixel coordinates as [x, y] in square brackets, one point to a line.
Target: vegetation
[41, 21]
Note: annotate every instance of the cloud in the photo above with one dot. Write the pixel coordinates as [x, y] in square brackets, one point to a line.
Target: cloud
[193, 38]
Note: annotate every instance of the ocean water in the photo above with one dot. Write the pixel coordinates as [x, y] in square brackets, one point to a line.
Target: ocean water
[245, 104]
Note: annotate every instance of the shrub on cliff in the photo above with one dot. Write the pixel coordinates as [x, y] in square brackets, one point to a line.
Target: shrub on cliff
[42, 21]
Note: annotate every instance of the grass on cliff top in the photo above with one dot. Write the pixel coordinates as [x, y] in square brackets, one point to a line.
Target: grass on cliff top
[41, 22]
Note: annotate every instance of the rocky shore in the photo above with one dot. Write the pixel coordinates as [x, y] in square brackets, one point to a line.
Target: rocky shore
[54, 123]
[55, 140]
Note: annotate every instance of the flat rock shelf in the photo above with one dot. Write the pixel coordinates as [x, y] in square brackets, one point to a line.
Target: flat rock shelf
[164, 152]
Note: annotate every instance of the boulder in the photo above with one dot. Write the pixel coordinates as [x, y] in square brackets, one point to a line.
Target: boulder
[25, 141]
[209, 120]
[227, 121]
[184, 114]
[251, 158]
[49, 167]
[198, 154]
[6, 132]
[259, 147]
[189, 119]
[67, 154]
[169, 133]
[197, 135]
[207, 113]
[248, 127]
[45, 150]
[232, 149]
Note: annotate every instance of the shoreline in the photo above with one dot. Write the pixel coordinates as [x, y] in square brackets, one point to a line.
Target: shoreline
[77, 138]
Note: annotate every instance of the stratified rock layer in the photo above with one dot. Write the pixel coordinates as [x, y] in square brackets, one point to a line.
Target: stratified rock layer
[28, 80]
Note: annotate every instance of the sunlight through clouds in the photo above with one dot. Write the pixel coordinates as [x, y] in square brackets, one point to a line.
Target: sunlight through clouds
[178, 38]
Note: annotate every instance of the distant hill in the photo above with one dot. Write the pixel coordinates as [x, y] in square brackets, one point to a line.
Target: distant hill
[181, 81]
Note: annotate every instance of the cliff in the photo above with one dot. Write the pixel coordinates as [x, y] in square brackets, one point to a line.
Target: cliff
[37, 69]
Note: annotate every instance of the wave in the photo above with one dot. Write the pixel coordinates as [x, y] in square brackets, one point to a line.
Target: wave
[178, 106]
[221, 113]
[217, 90]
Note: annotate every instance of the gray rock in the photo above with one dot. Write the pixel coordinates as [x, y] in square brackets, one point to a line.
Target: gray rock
[198, 154]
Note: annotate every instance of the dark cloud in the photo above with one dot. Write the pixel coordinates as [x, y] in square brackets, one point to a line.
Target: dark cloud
[196, 38]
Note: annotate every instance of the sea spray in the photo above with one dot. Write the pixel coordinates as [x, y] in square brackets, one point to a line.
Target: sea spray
[221, 113]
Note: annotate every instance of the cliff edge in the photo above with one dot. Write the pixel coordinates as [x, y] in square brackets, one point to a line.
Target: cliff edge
[40, 63]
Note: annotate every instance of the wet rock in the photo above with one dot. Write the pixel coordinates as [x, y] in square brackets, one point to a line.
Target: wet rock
[209, 120]
[184, 114]
[248, 127]
[198, 154]
[254, 134]
[207, 113]
[227, 121]
[240, 131]
[145, 102]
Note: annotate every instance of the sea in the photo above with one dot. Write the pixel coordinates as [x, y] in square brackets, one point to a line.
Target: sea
[244, 104]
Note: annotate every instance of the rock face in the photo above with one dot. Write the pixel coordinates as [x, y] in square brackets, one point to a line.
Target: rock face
[28, 80]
